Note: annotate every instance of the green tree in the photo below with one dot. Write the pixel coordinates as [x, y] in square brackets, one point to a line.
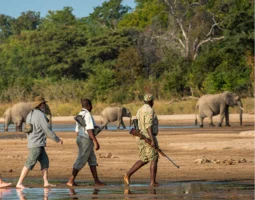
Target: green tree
[5, 26]
[109, 14]
[145, 14]
[105, 49]
[26, 21]
[59, 18]
[224, 66]
[192, 25]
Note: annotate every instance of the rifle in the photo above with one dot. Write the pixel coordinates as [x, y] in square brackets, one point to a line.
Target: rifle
[136, 132]
[81, 121]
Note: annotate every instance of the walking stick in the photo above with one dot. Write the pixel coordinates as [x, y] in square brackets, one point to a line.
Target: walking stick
[136, 132]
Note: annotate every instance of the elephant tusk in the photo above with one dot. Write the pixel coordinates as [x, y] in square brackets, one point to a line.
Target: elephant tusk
[241, 108]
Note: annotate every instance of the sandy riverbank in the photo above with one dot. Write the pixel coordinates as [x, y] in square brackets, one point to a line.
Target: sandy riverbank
[209, 153]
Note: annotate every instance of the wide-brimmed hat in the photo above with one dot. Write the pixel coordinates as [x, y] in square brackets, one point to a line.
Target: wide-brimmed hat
[38, 100]
[148, 97]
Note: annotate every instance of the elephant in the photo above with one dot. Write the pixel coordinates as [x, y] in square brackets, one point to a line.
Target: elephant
[112, 114]
[17, 114]
[213, 104]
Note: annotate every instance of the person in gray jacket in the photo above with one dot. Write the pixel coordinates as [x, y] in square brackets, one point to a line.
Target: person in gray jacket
[37, 142]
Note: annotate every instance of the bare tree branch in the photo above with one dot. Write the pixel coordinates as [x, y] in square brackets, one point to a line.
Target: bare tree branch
[205, 41]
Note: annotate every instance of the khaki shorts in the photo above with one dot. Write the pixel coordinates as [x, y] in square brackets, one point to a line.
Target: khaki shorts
[86, 153]
[37, 154]
[146, 152]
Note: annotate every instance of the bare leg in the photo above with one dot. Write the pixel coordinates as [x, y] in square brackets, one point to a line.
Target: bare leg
[93, 170]
[133, 169]
[153, 171]
[3, 184]
[23, 174]
[72, 178]
[45, 178]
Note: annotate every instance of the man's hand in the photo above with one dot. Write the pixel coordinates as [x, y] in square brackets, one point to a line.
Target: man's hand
[97, 146]
[91, 135]
[60, 141]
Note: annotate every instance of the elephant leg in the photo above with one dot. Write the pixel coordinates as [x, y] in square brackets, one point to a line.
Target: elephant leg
[227, 116]
[201, 119]
[118, 124]
[221, 119]
[211, 121]
[122, 123]
[6, 127]
[19, 126]
[105, 126]
[105, 122]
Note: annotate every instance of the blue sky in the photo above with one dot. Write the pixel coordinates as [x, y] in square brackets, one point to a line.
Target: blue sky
[81, 8]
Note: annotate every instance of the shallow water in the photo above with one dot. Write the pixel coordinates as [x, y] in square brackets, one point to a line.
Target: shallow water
[138, 190]
[71, 127]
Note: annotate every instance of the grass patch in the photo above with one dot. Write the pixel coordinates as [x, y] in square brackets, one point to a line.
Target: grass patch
[161, 107]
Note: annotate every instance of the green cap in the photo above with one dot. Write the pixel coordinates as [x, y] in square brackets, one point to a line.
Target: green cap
[148, 97]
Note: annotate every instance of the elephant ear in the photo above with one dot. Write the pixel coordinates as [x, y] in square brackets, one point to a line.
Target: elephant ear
[227, 97]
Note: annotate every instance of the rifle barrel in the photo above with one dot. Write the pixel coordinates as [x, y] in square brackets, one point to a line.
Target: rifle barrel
[148, 141]
[172, 161]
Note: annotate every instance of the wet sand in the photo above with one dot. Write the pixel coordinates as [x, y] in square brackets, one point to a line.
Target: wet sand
[209, 154]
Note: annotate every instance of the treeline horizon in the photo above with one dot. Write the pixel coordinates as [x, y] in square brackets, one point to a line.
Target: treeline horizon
[169, 48]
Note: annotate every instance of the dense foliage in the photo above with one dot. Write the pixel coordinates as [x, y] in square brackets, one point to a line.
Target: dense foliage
[170, 48]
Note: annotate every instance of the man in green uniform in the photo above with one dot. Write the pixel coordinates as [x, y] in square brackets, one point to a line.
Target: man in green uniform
[148, 125]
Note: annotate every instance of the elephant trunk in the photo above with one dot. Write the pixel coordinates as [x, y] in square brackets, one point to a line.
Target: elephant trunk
[241, 112]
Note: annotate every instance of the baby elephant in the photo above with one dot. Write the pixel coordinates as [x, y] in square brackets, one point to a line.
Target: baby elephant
[17, 114]
[112, 114]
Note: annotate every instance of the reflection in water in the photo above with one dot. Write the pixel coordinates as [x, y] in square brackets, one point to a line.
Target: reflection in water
[4, 192]
[168, 190]
[71, 127]
[95, 192]
[73, 193]
[46, 193]
[128, 193]
[20, 194]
